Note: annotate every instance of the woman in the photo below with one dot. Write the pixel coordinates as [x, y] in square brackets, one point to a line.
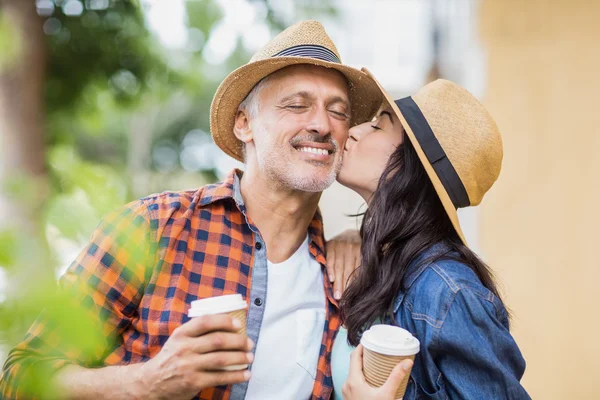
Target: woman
[419, 160]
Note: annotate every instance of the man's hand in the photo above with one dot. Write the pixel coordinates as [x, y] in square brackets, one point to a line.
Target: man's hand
[343, 257]
[192, 357]
[357, 388]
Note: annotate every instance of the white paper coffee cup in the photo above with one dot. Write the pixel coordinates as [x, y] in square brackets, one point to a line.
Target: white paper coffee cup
[385, 346]
[232, 304]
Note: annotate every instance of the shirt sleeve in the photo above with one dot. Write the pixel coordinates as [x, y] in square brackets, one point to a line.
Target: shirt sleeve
[475, 352]
[97, 299]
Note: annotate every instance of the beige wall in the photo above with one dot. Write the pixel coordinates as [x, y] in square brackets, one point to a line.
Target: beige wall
[540, 224]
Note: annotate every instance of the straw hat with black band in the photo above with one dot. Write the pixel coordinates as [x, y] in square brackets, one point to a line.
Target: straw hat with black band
[455, 138]
[303, 43]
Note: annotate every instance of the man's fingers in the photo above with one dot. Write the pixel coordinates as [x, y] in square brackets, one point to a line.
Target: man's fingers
[397, 376]
[331, 261]
[210, 323]
[217, 341]
[220, 359]
[356, 365]
[219, 378]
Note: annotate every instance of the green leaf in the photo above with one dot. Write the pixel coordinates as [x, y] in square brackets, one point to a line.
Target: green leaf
[8, 248]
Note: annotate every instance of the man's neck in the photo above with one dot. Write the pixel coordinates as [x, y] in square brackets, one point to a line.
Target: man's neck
[281, 215]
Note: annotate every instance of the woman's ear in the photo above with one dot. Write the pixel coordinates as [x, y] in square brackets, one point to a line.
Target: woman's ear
[241, 127]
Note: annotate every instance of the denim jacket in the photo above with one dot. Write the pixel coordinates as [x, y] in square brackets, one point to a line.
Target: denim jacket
[467, 351]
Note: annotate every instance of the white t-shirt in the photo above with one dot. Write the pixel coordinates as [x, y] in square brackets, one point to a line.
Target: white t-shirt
[287, 352]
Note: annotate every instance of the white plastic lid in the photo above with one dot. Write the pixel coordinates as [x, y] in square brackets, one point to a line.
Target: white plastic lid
[390, 340]
[217, 305]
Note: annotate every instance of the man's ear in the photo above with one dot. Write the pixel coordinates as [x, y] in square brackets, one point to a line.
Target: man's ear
[241, 127]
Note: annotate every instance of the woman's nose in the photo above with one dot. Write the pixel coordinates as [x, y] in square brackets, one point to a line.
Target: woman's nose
[358, 131]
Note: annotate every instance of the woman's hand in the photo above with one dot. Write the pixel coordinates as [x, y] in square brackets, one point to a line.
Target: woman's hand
[357, 388]
[343, 257]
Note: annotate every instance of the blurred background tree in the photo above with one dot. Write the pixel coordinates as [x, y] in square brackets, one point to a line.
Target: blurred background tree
[96, 111]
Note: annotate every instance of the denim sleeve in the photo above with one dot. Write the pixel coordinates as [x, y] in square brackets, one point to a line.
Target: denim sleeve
[475, 352]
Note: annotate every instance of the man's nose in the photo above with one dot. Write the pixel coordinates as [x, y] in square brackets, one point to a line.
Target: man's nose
[319, 122]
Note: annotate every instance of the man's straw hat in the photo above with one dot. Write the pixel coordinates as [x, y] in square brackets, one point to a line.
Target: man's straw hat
[456, 139]
[303, 43]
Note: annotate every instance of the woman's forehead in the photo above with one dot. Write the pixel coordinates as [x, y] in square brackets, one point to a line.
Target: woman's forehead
[379, 110]
[385, 106]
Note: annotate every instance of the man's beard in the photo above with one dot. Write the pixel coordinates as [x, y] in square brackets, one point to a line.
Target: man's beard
[284, 173]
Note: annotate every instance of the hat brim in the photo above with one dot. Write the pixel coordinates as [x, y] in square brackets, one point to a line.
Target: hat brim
[365, 96]
[433, 177]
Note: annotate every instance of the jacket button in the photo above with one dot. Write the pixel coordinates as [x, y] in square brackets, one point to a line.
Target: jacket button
[258, 245]
[258, 302]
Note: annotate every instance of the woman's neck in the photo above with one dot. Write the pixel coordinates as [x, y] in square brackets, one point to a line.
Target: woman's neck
[366, 194]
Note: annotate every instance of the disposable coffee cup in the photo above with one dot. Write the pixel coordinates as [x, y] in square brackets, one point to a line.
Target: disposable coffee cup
[232, 304]
[385, 346]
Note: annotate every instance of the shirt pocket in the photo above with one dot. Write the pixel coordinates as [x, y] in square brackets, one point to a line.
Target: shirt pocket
[420, 393]
[309, 326]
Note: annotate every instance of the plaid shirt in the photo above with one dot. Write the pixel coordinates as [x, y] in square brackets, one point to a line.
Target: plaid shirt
[199, 244]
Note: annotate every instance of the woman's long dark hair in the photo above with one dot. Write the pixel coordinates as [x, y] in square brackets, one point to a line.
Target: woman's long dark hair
[404, 218]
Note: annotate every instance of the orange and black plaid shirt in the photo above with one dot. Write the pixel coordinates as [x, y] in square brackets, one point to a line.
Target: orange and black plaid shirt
[143, 267]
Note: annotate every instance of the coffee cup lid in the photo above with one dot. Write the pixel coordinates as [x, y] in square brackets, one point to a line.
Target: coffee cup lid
[390, 340]
[217, 305]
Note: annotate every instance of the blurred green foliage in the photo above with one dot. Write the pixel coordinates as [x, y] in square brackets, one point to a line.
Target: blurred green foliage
[88, 190]
[64, 318]
[106, 48]
[10, 44]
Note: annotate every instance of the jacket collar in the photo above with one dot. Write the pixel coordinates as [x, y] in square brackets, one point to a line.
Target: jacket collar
[417, 266]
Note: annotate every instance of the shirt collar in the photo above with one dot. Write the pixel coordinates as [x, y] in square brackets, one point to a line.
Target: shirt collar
[230, 189]
[417, 266]
[222, 190]
[315, 231]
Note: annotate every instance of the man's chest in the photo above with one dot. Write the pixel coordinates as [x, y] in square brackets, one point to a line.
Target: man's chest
[178, 281]
[292, 329]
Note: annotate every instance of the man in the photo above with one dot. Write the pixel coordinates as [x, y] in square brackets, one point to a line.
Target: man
[286, 114]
